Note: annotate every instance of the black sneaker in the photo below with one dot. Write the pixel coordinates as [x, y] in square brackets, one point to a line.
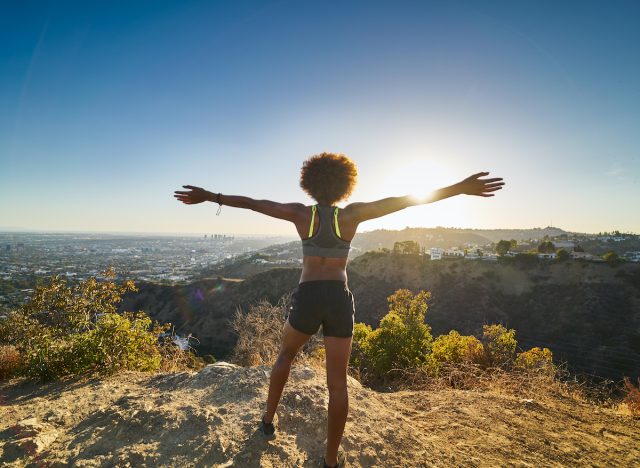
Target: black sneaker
[267, 429]
[340, 464]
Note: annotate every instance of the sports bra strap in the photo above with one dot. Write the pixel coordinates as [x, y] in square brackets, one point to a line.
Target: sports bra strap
[313, 217]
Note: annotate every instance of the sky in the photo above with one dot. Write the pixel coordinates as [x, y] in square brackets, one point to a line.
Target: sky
[108, 107]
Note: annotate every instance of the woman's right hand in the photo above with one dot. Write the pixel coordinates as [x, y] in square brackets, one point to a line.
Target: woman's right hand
[196, 195]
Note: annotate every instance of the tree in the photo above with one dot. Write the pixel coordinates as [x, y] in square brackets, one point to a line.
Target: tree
[406, 247]
[612, 258]
[563, 255]
[503, 247]
[513, 244]
[546, 247]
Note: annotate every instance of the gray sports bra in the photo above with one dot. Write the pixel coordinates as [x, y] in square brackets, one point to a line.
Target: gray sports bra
[326, 242]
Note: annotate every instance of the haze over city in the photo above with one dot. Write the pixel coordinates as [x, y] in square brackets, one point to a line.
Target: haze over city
[106, 109]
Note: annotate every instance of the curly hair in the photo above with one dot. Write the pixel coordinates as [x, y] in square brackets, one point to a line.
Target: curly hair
[328, 177]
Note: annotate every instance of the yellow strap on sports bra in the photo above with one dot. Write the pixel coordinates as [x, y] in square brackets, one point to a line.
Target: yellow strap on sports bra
[313, 217]
[335, 217]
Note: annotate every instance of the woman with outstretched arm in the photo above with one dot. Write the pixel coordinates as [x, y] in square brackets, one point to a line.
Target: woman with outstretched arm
[322, 297]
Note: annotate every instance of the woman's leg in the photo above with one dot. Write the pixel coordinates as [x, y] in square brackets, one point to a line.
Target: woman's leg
[292, 341]
[337, 352]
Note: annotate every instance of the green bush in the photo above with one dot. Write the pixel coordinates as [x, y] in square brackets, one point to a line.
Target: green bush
[453, 349]
[499, 345]
[402, 341]
[72, 330]
[536, 359]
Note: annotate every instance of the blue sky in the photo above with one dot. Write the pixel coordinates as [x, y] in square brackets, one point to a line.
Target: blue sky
[106, 108]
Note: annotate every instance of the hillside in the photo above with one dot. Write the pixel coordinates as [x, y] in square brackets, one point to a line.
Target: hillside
[587, 313]
[209, 418]
[447, 237]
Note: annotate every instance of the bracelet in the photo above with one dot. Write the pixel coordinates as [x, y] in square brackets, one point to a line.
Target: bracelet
[219, 204]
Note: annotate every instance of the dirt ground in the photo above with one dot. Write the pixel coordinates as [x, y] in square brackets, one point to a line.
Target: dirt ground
[209, 418]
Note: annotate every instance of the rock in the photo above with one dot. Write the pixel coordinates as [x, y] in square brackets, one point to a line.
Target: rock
[306, 373]
[351, 382]
[223, 365]
[30, 441]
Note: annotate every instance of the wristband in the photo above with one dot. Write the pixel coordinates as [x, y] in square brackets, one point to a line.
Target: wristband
[219, 204]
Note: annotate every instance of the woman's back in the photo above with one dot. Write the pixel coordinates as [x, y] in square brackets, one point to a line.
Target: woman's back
[318, 267]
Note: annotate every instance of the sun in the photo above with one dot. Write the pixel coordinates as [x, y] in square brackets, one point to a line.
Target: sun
[417, 177]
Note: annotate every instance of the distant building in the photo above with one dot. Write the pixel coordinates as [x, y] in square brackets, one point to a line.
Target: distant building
[547, 255]
[581, 256]
[563, 244]
[453, 253]
[436, 253]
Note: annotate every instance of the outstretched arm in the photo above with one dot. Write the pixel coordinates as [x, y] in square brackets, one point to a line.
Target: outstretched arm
[472, 185]
[287, 211]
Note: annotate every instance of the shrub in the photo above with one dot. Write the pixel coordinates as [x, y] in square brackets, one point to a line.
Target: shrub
[454, 349]
[73, 330]
[632, 397]
[10, 361]
[259, 333]
[359, 347]
[562, 255]
[402, 341]
[536, 359]
[499, 345]
[612, 258]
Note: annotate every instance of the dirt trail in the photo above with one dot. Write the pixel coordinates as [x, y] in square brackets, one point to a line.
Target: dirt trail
[209, 419]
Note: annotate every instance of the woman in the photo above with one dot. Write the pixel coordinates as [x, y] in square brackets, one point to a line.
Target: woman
[322, 296]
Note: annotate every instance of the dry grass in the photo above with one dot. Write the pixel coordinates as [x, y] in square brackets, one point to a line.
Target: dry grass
[527, 384]
[175, 359]
[260, 332]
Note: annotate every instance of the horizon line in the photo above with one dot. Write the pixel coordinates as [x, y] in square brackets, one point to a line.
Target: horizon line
[8, 230]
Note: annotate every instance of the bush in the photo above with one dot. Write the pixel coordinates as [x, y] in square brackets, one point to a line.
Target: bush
[536, 359]
[402, 341]
[454, 349]
[632, 397]
[73, 330]
[359, 347]
[10, 361]
[499, 345]
[259, 334]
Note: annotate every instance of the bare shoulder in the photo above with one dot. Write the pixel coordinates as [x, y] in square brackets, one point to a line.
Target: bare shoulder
[352, 210]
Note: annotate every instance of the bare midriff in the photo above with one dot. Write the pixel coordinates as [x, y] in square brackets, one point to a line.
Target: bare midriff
[323, 268]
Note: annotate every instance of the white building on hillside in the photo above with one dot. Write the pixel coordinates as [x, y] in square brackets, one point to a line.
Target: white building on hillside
[436, 253]
[547, 255]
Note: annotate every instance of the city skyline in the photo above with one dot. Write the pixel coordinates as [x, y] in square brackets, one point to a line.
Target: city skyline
[107, 109]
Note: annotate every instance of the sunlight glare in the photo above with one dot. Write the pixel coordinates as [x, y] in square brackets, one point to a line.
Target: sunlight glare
[418, 178]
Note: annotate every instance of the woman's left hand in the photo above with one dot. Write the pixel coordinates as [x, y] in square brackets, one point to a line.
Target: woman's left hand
[474, 185]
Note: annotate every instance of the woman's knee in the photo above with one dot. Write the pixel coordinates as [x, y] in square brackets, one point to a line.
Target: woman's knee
[285, 357]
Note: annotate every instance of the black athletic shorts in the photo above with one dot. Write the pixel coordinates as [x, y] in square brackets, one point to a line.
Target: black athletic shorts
[324, 302]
